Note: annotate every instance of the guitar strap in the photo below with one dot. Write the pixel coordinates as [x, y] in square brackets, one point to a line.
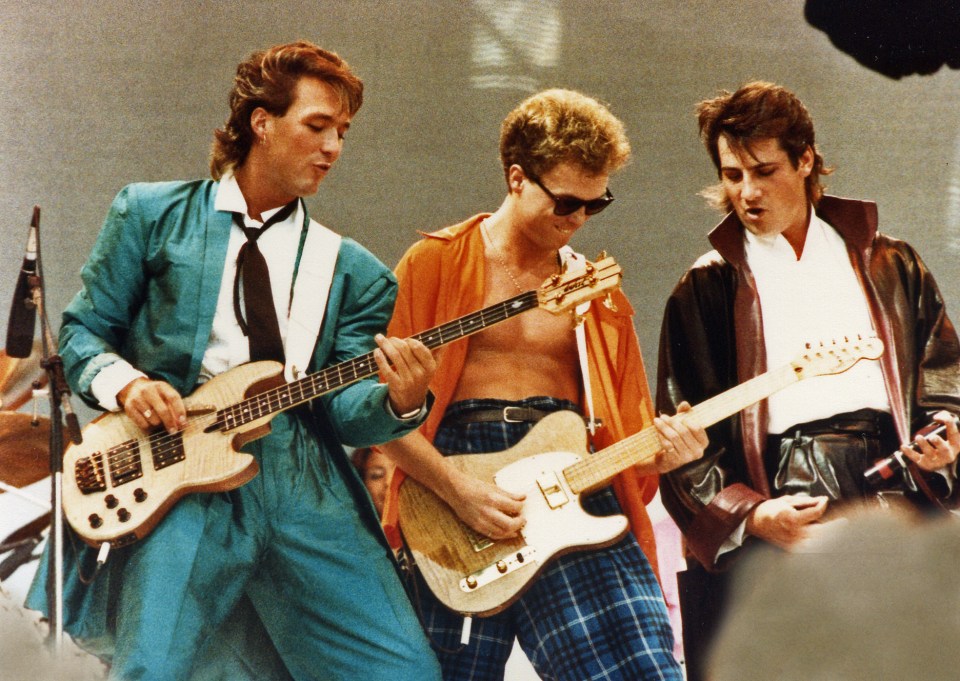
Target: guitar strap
[308, 304]
[575, 262]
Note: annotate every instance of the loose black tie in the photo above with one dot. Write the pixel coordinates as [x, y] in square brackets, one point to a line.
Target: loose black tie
[261, 326]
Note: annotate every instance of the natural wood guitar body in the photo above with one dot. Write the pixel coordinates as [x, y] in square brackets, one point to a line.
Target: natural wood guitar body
[447, 552]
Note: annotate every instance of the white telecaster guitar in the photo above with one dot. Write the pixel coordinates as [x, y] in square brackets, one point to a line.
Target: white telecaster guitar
[474, 575]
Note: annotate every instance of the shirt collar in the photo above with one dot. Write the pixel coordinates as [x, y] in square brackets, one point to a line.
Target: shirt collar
[818, 238]
[230, 199]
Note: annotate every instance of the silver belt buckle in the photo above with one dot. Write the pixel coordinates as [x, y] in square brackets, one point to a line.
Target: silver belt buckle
[506, 415]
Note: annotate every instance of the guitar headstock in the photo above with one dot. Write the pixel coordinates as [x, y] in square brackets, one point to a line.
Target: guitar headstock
[836, 356]
[565, 291]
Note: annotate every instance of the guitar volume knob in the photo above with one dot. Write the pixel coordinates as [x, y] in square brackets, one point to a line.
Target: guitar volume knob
[124, 515]
[111, 501]
[140, 495]
[95, 520]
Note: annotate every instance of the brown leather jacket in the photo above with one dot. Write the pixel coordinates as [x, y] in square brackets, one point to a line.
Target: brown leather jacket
[712, 340]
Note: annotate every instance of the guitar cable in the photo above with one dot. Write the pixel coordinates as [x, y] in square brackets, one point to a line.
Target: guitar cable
[409, 566]
[101, 559]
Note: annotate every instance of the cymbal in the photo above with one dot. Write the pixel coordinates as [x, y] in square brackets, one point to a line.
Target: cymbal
[17, 376]
[24, 449]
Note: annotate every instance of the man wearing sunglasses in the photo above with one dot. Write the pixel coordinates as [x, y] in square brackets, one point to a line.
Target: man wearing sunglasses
[596, 614]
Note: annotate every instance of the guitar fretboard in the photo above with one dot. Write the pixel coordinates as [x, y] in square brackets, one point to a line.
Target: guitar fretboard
[358, 368]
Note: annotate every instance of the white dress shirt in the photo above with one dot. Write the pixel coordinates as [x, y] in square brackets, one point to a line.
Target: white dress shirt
[810, 299]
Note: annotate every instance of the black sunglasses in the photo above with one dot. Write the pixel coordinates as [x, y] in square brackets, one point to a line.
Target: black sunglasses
[567, 205]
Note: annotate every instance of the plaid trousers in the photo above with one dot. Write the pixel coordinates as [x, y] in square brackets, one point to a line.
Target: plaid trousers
[597, 614]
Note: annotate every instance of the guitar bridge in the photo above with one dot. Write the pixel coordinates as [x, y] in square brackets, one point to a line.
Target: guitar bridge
[503, 567]
[88, 472]
[478, 541]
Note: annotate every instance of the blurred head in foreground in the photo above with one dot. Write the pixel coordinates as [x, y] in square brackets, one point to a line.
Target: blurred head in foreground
[873, 598]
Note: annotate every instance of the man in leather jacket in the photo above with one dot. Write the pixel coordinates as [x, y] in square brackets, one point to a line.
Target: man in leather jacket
[792, 266]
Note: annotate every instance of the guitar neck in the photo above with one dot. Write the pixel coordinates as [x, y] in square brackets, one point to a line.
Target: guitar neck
[598, 469]
[305, 389]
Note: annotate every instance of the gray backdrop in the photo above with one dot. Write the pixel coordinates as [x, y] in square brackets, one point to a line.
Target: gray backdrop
[99, 94]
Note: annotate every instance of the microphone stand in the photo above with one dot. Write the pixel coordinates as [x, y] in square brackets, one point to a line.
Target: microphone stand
[59, 404]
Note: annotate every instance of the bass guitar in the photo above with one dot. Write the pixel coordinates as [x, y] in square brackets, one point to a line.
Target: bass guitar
[121, 481]
[474, 575]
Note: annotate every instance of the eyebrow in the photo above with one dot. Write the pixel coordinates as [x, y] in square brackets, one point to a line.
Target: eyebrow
[755, 166]
[325, 118]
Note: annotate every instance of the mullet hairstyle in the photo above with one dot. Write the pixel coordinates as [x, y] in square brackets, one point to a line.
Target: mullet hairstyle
[268, 79]
[559, 126]
[755, 112]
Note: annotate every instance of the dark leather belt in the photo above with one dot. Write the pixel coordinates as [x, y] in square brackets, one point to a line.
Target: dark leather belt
[506, 414]
[863, 421]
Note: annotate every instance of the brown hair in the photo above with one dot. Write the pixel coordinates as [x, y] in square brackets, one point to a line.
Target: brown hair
[755, 112]
[557, 126]
[268, 79]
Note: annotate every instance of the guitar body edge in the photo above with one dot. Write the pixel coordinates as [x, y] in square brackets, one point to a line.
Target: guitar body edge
[448, 553]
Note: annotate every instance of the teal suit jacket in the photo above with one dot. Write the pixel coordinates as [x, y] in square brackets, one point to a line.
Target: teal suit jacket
[150, 290]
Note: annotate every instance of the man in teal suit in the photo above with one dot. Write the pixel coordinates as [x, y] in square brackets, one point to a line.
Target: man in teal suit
[297, 553]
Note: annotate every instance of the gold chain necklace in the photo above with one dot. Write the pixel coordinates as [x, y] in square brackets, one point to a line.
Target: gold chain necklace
[484, 232]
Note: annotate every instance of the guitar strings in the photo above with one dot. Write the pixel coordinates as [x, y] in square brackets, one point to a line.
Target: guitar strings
[126, 456]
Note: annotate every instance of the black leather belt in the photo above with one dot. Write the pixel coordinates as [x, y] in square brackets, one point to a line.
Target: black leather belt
[864, 421]
[506, 414]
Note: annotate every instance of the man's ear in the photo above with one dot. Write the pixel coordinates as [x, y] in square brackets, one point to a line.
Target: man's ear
[259, 123]
[805, 162]
[515, 177]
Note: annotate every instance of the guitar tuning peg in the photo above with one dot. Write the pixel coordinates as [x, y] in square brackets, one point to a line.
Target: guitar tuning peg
[577, 318]
[602, 255]
[608, 302]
